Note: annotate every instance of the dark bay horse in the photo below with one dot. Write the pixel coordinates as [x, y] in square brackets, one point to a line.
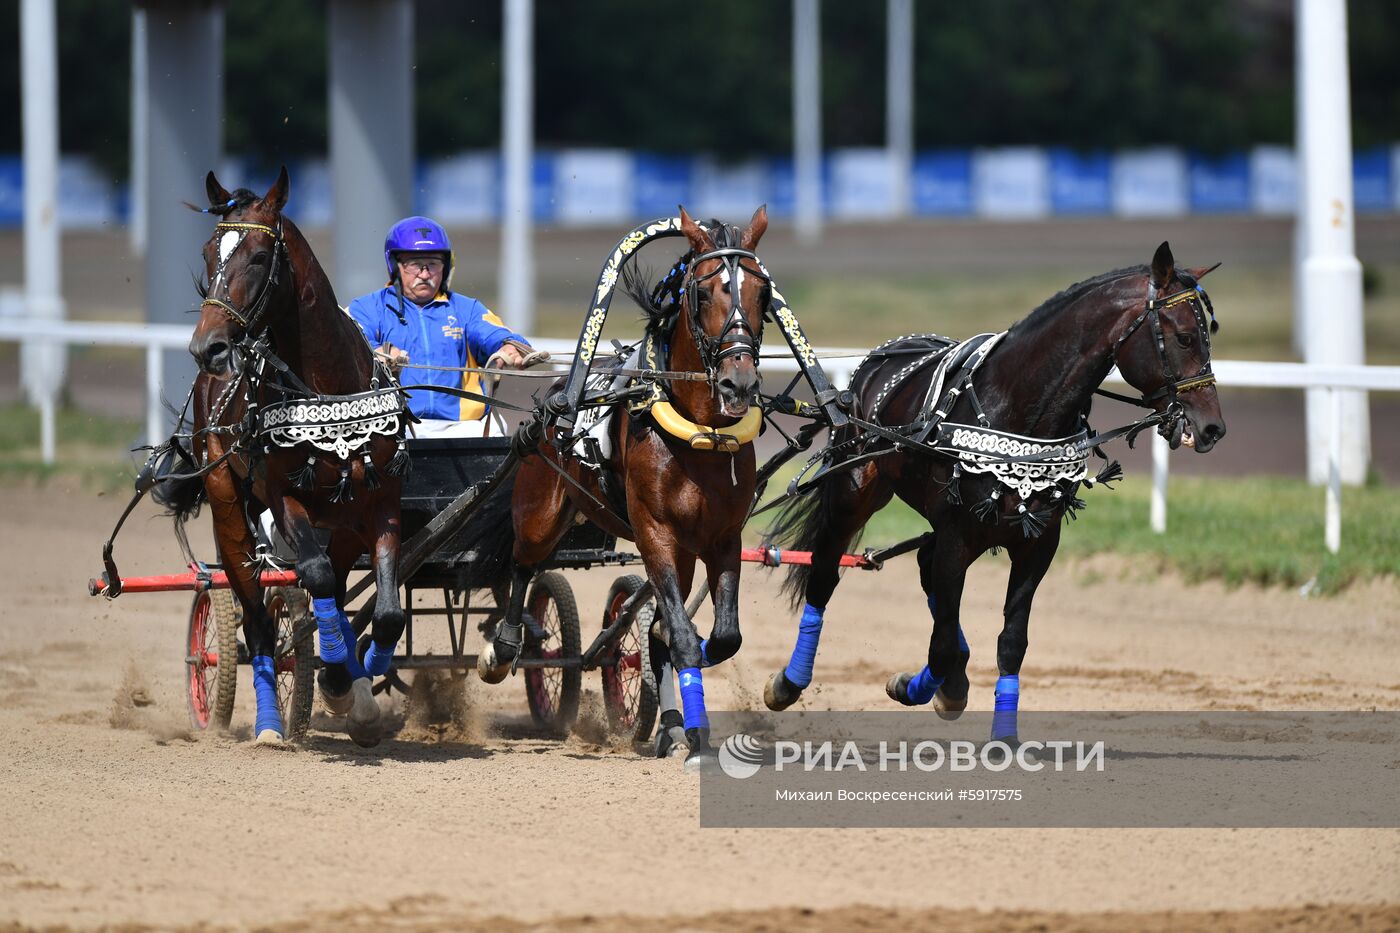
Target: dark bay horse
[679, 500]
[292, 414]
[1033, 385]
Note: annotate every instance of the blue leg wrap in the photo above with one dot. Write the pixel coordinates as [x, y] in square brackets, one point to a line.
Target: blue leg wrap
[265, 688]
[704, 656]
[693, 699]
[333, 650]
[377, 659]
[1008, 695]
[352, 657]
[804, 653]
[924, 685]
[962, 640]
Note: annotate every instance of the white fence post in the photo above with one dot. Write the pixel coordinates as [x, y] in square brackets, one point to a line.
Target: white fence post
[154, 376]
[46, 427]
[1160, 464]
[1333, 527]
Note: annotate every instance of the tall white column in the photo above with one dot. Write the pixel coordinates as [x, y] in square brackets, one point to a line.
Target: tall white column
[899, 100]
[372, 135]
[1331, 273]
[42, 366]
[185, 54]
[136, 223]
[517, 274]
[807, 117]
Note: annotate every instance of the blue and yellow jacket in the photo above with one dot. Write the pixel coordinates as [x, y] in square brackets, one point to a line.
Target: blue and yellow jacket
[452, 330]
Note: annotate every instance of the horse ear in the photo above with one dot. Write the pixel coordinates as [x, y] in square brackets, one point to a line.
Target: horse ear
[276, 197]
[699, 240]
[1163, 265]
[1203, 271]
[757, 226]
[218, 194]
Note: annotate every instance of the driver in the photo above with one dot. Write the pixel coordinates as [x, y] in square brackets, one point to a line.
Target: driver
[418, 319]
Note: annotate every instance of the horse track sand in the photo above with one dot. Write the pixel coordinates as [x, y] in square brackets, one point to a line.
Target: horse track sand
[115, 813]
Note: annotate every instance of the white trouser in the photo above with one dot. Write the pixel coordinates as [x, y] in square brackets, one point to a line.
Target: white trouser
[492, 425]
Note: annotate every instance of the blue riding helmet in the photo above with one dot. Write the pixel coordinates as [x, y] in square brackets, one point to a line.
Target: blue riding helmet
[418, 235]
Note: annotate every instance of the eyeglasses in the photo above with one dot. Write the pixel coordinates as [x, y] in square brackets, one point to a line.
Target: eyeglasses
[421, 265]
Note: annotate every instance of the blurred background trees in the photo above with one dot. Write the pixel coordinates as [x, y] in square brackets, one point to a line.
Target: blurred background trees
[673, 77]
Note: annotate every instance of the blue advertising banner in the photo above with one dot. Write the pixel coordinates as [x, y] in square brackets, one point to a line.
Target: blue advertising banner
[11, 191]
[660, 184]
[1080, 182]
[943, 183]
[1219, 185]
[1371, 179]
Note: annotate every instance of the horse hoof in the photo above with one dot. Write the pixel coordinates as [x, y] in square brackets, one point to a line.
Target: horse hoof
[670, 740]
[702, 760]
[779, 693]
[946, 707]
[363, 721]
[898, 689]
[269, 737]
[337, 705]
[488, 670]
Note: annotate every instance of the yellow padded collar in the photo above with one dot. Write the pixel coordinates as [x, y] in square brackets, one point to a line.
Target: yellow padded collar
[701, 437]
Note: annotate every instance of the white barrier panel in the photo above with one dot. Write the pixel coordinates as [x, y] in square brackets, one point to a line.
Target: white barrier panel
[730, 192]
[1273, 175]
[593, 186]
[862, 184]
[462, 190]
[1150, 183]
[87, 199]
[1011, 184]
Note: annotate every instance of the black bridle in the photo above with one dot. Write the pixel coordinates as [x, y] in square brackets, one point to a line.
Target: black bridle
[736, 337]
[250, 318]
[1174, 383]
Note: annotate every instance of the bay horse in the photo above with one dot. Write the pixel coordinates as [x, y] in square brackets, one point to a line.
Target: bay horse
[1031, 392]
[677, 499]
[292, 414]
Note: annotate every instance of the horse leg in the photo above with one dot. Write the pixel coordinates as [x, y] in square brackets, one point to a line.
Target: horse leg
[1029, 563]
[671, 572]
[846, 505]
[541, 513]
[388, 619]
[948, 561]
[236, 548]
[341, 670]
[722, 574]
[494, 663]
[951, 697]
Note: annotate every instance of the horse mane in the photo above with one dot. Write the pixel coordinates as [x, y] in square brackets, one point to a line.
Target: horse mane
[661, 301]
[1053, 305]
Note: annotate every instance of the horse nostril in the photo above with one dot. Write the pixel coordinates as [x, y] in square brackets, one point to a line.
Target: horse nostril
[1214, 431]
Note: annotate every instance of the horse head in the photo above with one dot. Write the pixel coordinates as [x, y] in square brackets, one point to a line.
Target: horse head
[245, 261]
[1164, 353]
[726, 294]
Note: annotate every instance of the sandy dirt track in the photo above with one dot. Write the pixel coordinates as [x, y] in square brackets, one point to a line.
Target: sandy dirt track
[116, 814]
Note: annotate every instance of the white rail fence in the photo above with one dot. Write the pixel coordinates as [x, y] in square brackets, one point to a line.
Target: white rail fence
[839, 363]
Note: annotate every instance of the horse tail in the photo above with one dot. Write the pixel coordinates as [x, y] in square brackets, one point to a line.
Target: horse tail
[177, 486]
[807, 521]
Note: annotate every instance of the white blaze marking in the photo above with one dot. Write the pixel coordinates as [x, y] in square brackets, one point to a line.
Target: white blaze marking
[227, 243]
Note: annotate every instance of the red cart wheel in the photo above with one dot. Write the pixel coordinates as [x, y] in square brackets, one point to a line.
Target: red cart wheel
[552, 691]
[211, 658]
[290, 608]
[629, 686]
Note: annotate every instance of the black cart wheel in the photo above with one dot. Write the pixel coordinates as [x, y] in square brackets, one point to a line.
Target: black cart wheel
[629, 686]
[552, 691]
[211, 658]
[290, 608]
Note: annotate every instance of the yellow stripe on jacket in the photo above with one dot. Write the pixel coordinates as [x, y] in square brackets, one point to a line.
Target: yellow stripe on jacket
[469, 409]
